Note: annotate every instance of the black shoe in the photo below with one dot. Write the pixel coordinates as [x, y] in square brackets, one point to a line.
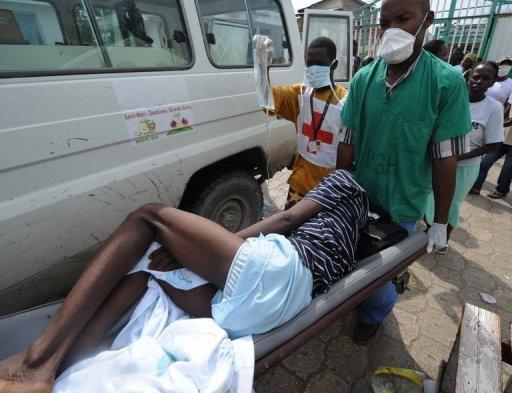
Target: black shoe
[365, 332]
[402, 282]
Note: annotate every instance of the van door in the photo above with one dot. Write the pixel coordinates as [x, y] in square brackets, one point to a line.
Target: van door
[107, 105]
[338, 26]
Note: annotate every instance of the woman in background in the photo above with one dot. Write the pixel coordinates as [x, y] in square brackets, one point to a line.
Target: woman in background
[485, 136]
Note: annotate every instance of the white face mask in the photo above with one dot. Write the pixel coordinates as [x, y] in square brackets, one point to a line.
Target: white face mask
[397, 45]
[317, 76]
[504, 70]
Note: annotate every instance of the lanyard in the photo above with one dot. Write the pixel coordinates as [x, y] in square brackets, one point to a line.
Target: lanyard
[317, 128]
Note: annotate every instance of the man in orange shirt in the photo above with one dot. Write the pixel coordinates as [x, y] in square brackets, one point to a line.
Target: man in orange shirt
[317, 135]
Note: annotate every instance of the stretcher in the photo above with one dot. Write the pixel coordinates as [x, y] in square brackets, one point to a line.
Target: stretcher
[18, 330]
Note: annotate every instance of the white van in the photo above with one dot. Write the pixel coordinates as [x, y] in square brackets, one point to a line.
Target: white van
[107, 105]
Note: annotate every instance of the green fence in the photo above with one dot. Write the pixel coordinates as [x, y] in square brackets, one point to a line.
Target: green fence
[469, 24]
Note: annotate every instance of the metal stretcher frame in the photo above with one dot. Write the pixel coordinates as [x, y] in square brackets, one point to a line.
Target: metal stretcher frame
[270, 359]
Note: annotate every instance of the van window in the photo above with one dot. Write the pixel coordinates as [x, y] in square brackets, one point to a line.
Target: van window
[266, 20]
[92, 35]
[229, 26]
[41, 35]
[338, 29]
[143, 34]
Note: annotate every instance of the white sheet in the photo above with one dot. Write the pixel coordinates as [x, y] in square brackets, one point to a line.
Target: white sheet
[161, 349]
[180, 278]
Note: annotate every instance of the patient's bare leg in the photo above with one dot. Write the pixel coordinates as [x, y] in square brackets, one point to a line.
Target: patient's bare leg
[196, 302]
[126, 294]
[198, 244]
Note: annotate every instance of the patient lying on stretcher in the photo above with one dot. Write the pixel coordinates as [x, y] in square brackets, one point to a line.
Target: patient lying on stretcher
[259, 278]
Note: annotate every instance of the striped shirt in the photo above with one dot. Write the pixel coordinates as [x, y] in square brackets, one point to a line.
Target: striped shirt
[327, 242]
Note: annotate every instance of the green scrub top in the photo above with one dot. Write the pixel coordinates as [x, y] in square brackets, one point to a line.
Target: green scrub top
[393, 133]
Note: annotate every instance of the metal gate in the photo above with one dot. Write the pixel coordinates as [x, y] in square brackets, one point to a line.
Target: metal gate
[501, 44]
[468, 24]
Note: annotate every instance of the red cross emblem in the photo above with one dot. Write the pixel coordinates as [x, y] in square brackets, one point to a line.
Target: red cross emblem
[321, 136]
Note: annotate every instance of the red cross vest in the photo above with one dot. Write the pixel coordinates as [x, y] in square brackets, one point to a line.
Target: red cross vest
[321, 150]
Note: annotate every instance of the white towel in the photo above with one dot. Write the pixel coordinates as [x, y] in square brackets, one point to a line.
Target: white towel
[162, 349]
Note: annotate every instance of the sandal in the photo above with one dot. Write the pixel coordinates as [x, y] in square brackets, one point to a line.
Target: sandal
[475, 191]
[496, 195]
[442, 251]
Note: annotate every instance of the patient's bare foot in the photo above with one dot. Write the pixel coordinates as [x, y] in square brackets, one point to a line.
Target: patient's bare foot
[17, 377]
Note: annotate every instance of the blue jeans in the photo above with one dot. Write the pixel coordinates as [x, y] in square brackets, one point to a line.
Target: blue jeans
[506, 172]
[378, 306]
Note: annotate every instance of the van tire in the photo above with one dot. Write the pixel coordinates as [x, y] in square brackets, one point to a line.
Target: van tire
[233, 199]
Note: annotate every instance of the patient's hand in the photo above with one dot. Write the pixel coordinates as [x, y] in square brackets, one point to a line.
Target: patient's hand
[162, 261]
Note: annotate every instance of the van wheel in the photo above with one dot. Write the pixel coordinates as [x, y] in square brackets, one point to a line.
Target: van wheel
[231, 199]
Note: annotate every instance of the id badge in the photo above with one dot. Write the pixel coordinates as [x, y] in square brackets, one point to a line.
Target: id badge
[314, 146]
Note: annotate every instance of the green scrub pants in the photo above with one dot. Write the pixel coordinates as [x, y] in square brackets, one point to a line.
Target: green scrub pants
[466, 177]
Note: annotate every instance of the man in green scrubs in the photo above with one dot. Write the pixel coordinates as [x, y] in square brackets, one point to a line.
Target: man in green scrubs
[404, 122]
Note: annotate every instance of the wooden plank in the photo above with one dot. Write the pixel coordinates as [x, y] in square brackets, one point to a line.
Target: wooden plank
[468, 355]
[479, 364]
[489, 343]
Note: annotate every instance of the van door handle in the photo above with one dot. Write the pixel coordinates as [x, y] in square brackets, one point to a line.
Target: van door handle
[210, 38]
[179, 36]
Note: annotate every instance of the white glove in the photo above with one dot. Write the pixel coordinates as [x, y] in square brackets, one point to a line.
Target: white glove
[263, 50]
[437, 237]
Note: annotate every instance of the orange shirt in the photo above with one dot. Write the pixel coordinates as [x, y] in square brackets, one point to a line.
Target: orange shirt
[305, 175]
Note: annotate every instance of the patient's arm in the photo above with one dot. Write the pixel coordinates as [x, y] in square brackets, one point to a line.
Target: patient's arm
[284, 222]
[162, 260]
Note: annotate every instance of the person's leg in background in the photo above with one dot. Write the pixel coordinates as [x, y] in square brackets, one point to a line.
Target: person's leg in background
[466, 177]
[503, 186]
[487, 162]
[379, 305]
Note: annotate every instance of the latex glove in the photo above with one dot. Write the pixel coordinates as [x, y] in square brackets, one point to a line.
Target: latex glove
[437, 237]
[263, 49]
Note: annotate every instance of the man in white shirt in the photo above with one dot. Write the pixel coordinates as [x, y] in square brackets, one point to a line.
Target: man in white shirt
[505, 178]
[456, 59]
[502, 88]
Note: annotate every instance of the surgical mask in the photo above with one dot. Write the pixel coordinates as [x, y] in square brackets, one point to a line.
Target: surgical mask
[317, 76]
[397, 45]
[504, 70]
